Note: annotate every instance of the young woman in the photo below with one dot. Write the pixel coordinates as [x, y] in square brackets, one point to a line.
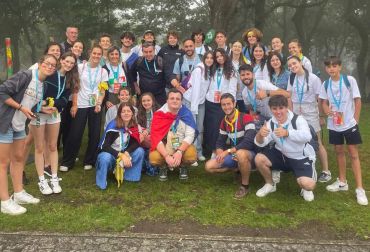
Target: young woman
[52, 48]
[238, 60]
[259, 59]
[45, 127]
[279, 76]
[121, 140]
[18, 95]
[93, 79]
[117, 75]
[147, 106]
[195, 96]
[77, 49]
[304, 94]
[223, 81]
[251, 37]
[295, 49]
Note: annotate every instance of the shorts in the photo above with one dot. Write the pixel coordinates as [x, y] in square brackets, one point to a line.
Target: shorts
[46, 119]
[12, 135]
[310, 112]
[299, 167]
[230, 163]
[352, 136]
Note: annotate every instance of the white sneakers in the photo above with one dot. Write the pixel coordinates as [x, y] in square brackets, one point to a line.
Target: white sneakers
[266, 189]
[307, 195]
[54, 184]
[24, 198]
[63, 168]
[337, 186]
[12, 208]
[361, 197]
[53, 188]
[88, 167]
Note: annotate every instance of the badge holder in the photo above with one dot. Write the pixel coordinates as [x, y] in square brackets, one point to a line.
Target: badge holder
[92, 99]
[175, 142]
[338, 118]
[217, 96]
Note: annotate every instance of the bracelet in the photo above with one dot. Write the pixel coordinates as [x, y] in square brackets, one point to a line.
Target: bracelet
[20, 106]
[178, 150]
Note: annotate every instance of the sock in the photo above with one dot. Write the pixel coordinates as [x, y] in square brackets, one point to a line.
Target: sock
[54, 176]
[42, 178]
[17, 193]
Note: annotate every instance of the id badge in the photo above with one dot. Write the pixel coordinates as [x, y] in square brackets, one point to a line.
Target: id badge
[92, 99]
[338, 118]
[217, 96]
[175, 141]
[116, 87]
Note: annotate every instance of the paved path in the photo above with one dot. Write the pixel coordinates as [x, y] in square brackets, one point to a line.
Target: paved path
[26, 241]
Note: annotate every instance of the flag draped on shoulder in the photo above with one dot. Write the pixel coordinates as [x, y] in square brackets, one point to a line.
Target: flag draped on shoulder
[133, 132]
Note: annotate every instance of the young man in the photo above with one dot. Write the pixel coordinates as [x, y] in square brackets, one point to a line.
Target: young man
[198, 37]
[149, 69]
[235, 147]
[172, 134]
[341, 102]
[148, 36]
[182, 71]
[105, 41]
[72, 36]
[127, 55]
[291, 151]
[220, 39]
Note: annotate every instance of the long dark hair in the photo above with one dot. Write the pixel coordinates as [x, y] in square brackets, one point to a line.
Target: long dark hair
[241, 58]
[141, 113]
[72, 76]
[263, 60]
[208, 71]
[228, 66]
[306, 73]
[119, 122]
[270, 68]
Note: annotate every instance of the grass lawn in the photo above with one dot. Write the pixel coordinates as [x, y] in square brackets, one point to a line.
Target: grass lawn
[203, 200]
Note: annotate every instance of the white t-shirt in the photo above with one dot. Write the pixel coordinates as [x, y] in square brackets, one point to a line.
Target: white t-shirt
[310, 90]
[87, 89]
[261, 74]
[307, 64]
[347, 106]
[34, 66]
[261, 105]
[202, 50]
[125, 56]
[226, 86]
[32, 96]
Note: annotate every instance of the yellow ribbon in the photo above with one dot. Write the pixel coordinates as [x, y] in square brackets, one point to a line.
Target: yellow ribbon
[50, 101]
[102, 86]
[119, 172]
[231, 124]
[300, 56]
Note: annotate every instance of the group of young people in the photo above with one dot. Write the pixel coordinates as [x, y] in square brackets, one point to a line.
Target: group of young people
[248, 105]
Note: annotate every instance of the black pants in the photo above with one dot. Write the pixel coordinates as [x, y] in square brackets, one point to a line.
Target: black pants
[65, 124]
[74, 139]
[212, 120]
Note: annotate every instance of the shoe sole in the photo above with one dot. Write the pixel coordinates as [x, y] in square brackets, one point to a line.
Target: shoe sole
[13, 214]
[162, 179]
[274, 190]
[339, 190]
[183, 178]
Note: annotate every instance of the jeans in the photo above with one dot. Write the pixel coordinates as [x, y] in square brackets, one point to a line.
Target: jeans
[107, 162]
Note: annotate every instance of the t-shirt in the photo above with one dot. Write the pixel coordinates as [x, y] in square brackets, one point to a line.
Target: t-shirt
[116, 78]
[32, 96]
[249, 97]
[89, 89]
[261, 73]
[308, 90]
[346, 103]
[226, 86]
[202, 49]
[187, 66]
[125, 56]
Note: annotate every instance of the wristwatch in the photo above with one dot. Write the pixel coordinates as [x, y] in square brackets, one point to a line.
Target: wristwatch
[182, 152]
[229, 151]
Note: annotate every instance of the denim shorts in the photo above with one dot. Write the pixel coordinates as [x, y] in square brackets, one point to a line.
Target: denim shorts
[12, 135]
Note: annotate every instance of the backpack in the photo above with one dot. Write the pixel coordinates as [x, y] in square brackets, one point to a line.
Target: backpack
[157, 60]
[184, 83]
[314, 142]
[346, 83]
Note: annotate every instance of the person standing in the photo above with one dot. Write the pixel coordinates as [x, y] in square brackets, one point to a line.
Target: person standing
[72, 36]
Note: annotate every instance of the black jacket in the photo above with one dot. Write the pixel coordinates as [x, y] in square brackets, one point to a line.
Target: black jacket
[169, 55]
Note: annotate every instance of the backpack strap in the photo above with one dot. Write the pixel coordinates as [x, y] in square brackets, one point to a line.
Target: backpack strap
[291, 78]
[181, 61]
[294, 121]
[346, 83]
[206, 47]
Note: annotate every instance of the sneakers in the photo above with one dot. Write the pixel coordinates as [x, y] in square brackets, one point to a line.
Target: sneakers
[54, 184]
[241, 192]
[162, 174]
[24, 198]
[266, 189]
[361, 197]
[201, 158]
[44, 187]
[183, 173]
[337, 186]
[63, 168]
[47, 171]
[12, 208]
[195, 164]
[88, 167]
[275, 176]
[307, 195]
[325, 176]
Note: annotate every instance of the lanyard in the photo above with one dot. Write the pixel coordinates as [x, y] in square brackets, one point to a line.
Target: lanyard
[38, 108]
[300, 91]
[115, 73]
[282, 139]
[123, 144]
[219, 78]
[192, 64]
[233, 127]
[147, 66]
[92, 82]
[60, 89]
[256, 68]
[253, 101]
[338, 101]
[275, 79]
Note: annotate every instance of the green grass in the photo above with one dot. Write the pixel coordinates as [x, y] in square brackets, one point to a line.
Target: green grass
[204, 199]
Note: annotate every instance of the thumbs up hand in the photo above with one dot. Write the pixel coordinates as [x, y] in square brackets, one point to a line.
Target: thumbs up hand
[264, 131]
[280, 131]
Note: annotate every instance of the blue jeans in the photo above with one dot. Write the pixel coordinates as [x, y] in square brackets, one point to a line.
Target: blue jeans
[107, 162]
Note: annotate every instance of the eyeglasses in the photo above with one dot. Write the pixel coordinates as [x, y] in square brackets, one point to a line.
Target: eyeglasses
[49, 65]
